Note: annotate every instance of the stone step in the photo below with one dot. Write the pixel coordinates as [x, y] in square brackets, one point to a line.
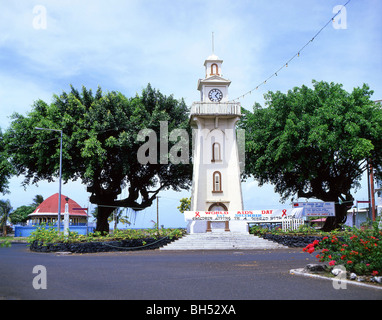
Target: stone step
[221, 241]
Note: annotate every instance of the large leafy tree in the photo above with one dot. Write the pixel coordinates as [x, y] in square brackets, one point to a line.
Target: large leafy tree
[100, 145]
[315, 143]
[6, 169]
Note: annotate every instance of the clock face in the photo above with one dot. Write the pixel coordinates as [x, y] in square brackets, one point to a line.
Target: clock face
[215, 95]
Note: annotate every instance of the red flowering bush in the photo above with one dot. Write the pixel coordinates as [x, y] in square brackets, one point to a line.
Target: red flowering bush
[358, 251]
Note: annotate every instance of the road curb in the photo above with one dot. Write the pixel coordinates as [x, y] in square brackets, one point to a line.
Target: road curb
[301, 272]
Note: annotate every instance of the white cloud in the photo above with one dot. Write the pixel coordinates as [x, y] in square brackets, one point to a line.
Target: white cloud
[17, 94]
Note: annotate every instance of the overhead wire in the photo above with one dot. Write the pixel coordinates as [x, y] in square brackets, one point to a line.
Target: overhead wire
[297, 54]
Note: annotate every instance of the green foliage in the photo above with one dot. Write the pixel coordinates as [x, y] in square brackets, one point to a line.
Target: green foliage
[314, 143]
[258, 230]
[37, 200]
[302, 230]
[20, 215]
[6, 169]
[47, 234]
[307, 230]
[5, 243]
[185, 205]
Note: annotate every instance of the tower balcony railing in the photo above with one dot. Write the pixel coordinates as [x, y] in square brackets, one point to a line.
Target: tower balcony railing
[221, 108]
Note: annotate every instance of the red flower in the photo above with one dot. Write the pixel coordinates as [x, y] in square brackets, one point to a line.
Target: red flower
[309, 248]
[315, 242]
[332, 263]
[374, 273]
[325, 238]
[324, 250]
[349, 262]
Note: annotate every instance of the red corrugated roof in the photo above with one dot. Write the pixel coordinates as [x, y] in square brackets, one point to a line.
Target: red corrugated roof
[50, 205]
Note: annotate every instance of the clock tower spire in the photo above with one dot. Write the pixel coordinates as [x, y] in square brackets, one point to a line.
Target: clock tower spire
[213, 88]
[213, 51]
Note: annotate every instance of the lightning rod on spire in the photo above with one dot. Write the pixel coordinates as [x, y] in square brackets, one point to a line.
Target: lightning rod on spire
[213, 49]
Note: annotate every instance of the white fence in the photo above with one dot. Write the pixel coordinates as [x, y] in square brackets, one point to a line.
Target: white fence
[291, 224]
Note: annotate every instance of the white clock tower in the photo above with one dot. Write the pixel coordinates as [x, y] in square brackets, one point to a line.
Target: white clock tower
[216, 176]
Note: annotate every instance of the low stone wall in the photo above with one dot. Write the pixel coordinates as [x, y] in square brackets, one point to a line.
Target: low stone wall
[291, 241]
[106, 246]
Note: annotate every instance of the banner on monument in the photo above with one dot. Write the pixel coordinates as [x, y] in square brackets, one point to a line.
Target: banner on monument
[323, 209]
[249, 215]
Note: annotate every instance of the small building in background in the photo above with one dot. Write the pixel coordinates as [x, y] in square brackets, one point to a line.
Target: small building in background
[357, 216]
[47, 212]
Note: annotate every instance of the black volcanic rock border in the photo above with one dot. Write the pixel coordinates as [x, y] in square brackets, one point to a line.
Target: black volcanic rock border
[291, 241]
[101, 246]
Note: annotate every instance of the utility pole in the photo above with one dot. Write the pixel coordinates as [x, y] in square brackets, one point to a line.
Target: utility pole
[372, 192]
[158, 214]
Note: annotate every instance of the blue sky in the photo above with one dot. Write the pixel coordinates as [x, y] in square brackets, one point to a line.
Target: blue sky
[124, 45]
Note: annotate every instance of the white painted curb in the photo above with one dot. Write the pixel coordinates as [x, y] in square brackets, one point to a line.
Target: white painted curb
[301, 272]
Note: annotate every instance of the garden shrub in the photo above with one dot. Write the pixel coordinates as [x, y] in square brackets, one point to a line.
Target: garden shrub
[359, 251]
[47, 235]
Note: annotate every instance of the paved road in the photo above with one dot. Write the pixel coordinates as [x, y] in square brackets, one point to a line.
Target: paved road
[151, 275]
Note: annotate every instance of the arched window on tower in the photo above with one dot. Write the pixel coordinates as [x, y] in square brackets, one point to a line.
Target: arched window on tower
[214, 69]
[217, 182]
[216, 152]
[217, 206]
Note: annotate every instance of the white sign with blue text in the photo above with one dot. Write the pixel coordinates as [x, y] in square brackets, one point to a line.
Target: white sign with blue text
[322, 209]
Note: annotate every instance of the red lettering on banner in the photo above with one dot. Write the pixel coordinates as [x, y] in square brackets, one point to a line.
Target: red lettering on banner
[245, 212]
[266, 211]
[197, 214]
[284, 213]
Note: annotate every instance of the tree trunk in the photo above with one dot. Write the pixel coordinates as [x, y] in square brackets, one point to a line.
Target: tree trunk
[102, 216]
[330, 224]
[333, 223]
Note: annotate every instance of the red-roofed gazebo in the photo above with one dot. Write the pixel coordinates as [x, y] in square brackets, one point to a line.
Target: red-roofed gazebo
[47, 211]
